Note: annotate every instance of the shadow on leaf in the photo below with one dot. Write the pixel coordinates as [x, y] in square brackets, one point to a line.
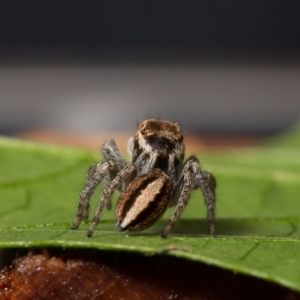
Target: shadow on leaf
[246, 227]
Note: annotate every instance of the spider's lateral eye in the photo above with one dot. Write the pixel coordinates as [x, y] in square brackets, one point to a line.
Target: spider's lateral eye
[143, 131]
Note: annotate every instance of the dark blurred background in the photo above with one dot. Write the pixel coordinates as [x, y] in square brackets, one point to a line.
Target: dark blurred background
[227, 67]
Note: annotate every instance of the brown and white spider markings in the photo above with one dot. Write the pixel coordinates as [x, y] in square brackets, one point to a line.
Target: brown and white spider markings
[156, 178]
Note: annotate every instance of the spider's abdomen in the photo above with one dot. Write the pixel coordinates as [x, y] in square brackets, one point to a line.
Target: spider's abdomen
[144, 201]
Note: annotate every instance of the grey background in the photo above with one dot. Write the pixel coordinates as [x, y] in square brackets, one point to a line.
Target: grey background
[203, 98]
[212, 66]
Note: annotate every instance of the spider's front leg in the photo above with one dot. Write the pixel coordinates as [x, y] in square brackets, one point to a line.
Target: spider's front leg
[111, 152]
[122, 176]
[192, 177]
[95, 175]
[106, 171]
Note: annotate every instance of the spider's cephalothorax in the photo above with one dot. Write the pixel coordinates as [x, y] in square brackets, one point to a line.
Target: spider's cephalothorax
[156, 177]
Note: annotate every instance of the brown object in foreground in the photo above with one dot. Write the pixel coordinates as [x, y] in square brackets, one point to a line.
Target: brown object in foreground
[75, 274]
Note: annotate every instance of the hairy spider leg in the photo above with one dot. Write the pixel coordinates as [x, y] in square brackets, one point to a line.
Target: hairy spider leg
[111, 152]
[124, 174]
[95, 175]
[207, 183]
[193, 177]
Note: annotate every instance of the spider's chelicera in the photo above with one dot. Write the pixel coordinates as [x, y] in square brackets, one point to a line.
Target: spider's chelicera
[156, 178]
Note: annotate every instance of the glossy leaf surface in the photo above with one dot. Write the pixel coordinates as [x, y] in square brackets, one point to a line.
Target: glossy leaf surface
[258, 211]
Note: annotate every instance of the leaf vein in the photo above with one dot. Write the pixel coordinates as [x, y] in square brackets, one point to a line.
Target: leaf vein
[247, 254]
[41, 178]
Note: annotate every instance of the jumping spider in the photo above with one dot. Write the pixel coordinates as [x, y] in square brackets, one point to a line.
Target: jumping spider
[156, 178]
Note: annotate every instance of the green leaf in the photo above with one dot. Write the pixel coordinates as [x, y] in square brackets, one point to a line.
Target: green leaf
[258, 220]
[287, 139]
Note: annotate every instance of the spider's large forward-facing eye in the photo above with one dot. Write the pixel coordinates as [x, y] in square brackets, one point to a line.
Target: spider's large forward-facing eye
[144, 201]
